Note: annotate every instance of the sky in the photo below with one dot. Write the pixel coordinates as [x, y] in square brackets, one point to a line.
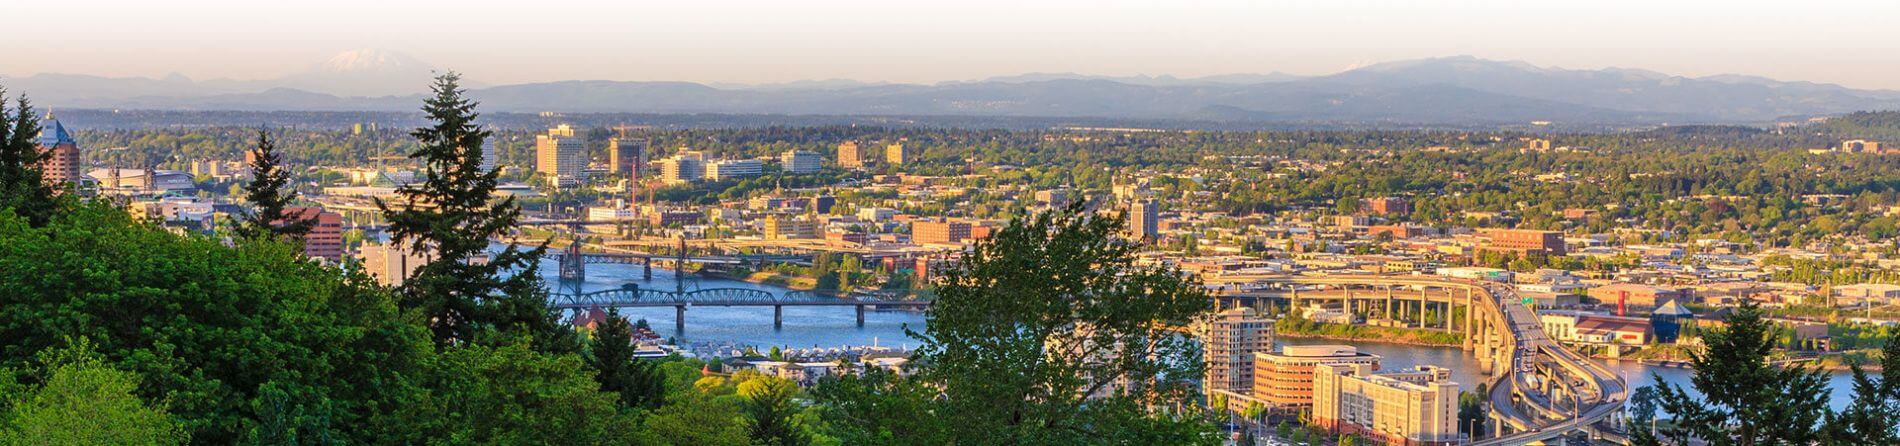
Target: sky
[1852, 43]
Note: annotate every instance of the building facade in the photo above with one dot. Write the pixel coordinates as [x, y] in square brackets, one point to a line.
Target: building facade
[685, 167]
[1233, 337]
[801, 161]
[1413, 408]
[939, 231]
[1284, 379]
[778, 227]
[1144, 220]
[325, 239]
[62, 167]
[850, 156]
[1525, 241]
[724, 170]
[896, 154]
[561, 156]
[624, 156]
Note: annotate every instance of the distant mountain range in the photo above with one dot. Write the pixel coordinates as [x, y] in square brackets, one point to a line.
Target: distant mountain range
[1453, 90]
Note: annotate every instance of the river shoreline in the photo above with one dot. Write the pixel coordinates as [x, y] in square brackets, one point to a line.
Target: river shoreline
[1414, 343]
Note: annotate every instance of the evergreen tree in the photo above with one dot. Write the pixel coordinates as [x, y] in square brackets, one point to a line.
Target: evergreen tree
[450, 217]
[1871, 418]
[772, 414]
[611, 355]
[23, 186]
[266, 193]
[1745, 400]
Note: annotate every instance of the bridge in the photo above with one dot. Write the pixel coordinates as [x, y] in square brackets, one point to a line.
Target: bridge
[1539, 390]
[632, 296]
[574, 258]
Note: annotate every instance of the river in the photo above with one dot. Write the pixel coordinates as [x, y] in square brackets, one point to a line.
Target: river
[827, 327]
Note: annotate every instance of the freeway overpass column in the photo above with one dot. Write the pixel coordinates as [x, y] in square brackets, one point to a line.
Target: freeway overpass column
[1471, 312]
[679, 321]
[1388, 302]
[778, 317]
[860, 316]
[1449, 306]
[1293, 302]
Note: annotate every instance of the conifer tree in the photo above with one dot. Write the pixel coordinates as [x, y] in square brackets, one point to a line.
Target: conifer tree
[1746, 400]
[23, 185]
[449, 216]
[638, 382]
[266, 193]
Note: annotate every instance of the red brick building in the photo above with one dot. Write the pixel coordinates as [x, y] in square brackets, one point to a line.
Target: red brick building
[1388, 206]
[325, 240]
[1525, 241]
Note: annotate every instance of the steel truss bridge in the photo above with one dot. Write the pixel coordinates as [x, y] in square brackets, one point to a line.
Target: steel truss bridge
[635, 297]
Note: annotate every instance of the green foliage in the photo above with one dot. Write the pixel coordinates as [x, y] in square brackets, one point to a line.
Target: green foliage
[511, 394]
[1874, 414]
[881, 408]
[266, 194]
[22, 185]
[84, 401]
[451, 215]
[771, 413]
[1746, 400]
[1031, 334]
[203, 324]
[696, 420]
[637, 382]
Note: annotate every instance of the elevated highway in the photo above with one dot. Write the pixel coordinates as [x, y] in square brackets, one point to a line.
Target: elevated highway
[1500, 331]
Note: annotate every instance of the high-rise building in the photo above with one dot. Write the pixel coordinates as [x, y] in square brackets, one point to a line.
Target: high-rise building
[390, 264]
[686, 167]
[1284, 379]
[489, 155]
[561, 156]
[62, 169]
[1144, 220]
[1411, 407]
[325, 239]
[724, 170]
[800, 161]
[896, 154]
[1233, 337]
[849, 156]
[939, 231]
[624, 156]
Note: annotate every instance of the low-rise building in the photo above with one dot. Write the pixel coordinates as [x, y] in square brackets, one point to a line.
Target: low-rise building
[1284, 379]
[1413, 407]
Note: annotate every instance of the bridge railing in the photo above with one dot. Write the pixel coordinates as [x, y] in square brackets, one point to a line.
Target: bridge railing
[720, 296]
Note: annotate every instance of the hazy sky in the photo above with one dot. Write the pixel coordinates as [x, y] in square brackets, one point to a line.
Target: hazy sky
[1854, 43]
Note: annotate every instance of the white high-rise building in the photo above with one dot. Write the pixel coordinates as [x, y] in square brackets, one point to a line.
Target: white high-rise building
[801, 161]
[734, 169]
[561, 156]
[1233, 337]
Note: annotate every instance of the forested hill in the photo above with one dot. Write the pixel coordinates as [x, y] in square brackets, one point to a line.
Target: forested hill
[1875, 125]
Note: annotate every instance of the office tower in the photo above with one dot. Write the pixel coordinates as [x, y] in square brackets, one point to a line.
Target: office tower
[685, 167]
[849, 156]
[489, 155]
[1233, 337]
[325, 239]
[800, 161]
[896, 154]
[561, 156]
[1388, 206]
[779, 227]
[1144, 218]
[62, 169]
[624, 156]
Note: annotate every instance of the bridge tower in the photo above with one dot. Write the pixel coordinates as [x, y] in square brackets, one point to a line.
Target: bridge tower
[574, 264]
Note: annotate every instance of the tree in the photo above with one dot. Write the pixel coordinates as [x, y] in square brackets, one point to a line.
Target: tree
[450, 216]
[638, 382]
[771, 412]
[1745, 400]
[83, 401]
[880, 408]
[1871, 418]
[266, 193]
[695, 420]
[23, 185]
[1048, 333]
[512, 394]
[1470, 412]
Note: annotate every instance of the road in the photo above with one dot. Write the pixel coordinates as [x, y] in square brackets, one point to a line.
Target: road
[1605, 391]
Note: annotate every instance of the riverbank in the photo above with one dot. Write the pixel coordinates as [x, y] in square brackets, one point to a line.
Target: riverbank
[1364, 333]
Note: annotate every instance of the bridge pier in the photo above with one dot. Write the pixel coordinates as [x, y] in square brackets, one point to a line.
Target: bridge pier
[778, 317]
[860, 316]
[648, 266]
[679, 321]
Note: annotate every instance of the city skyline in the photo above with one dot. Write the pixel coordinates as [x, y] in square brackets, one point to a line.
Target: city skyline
[761, 43]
